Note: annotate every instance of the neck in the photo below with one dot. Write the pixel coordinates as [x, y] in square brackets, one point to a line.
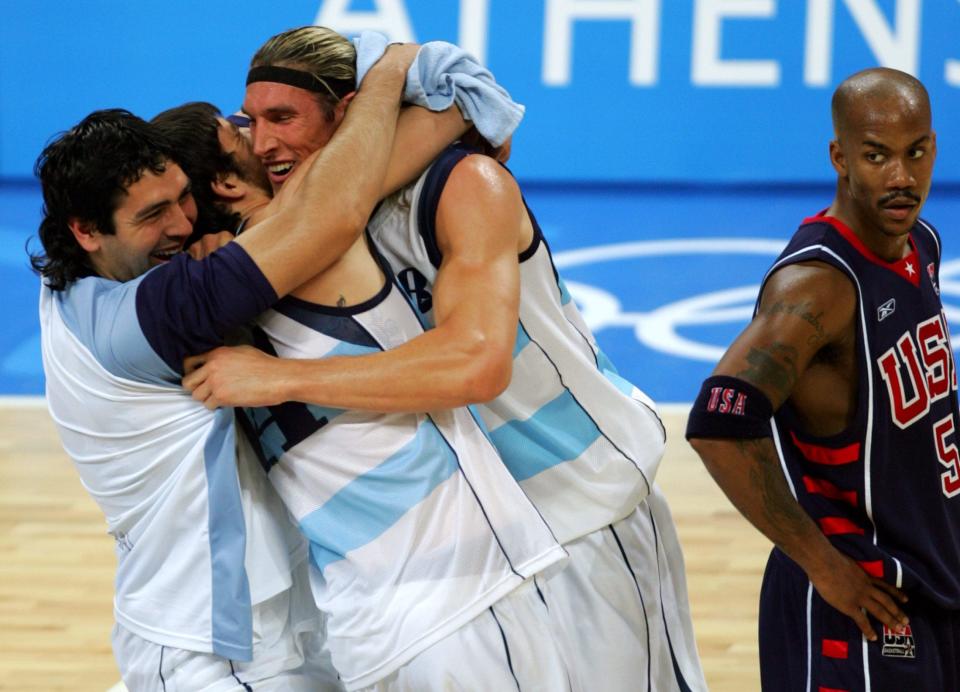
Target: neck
[888, 246]
[252, 209]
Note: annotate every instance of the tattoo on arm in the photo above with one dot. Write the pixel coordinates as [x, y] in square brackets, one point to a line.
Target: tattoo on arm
[772, 366]
[780, 509]
[804, 312]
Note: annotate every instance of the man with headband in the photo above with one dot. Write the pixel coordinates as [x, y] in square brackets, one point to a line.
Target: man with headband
[422, 543]
[583, 443]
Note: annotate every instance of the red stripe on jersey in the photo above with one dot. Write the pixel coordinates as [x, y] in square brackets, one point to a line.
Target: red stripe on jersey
[831, 689]
[907, 267]
[874, 569]
[832, 526]
[830, 456]
[818, 486]
[834, 648]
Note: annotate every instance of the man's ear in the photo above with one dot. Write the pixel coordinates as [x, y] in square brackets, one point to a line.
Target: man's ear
[340, 109]
[837, 158]
[229, 187]
[86, 234]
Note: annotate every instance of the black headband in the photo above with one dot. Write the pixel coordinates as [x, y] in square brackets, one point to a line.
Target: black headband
[338, 88]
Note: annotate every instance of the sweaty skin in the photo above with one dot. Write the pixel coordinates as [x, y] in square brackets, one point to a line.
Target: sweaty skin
[801, 344]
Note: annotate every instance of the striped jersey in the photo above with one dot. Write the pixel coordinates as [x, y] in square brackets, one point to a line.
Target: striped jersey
[582, 441]
[197, 540]
[414, 524]
[886, 491]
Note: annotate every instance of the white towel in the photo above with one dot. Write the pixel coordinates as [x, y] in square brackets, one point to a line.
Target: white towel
[443, 74]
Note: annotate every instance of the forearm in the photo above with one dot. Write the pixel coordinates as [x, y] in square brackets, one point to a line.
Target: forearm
[425, 374]
[421, 136]
[339, 189]
[749, 473]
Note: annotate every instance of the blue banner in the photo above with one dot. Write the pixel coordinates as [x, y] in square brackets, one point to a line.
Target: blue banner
[698, 91]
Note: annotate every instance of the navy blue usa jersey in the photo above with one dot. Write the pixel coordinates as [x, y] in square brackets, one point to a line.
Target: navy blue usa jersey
[886, 491]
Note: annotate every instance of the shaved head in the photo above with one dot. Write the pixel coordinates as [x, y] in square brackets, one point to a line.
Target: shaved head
[876, 91]
[883, 152]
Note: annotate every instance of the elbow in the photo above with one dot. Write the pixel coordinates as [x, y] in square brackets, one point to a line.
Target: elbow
[487, 371]
[716, 454]
[699, 445]
[354, 218]
[489, 382]
[705, 448]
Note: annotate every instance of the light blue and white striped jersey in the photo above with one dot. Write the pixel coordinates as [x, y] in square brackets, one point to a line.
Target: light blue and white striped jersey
[583, 442]
[163, 470]
[415, 525]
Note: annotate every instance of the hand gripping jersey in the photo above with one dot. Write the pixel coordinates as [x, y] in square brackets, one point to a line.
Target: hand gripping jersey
[414, 524]
[886, 491]
[161, 466]
[583, 442]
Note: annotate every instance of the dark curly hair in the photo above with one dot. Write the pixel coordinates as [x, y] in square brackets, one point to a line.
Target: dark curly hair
[84, 173]
[193, 131]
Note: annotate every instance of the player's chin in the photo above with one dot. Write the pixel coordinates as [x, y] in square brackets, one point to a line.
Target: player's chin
[898, 228]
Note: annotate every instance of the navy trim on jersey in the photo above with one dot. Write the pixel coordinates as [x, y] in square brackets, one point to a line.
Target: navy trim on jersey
[163, 683]
[187, 306]
[684, 687]
[486, 433]
[433, 186]
[295, 420]
[643, 605]
[330, 320]
[111, 330]
[314, 315]
[587, 413]
[483, 509]
[538, 236]
[233, 672]
[506, 648]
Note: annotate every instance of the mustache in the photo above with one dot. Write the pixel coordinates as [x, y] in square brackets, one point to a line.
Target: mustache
[898, 195]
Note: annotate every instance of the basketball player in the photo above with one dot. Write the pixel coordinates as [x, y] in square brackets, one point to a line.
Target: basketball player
[422, 542]
[198, 540]
[855, 476]
[583, 442]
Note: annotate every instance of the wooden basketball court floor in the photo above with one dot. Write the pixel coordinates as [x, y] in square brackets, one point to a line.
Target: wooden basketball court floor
[57, 563]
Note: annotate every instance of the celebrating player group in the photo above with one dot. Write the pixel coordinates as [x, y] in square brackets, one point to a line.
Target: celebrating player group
[315, 364]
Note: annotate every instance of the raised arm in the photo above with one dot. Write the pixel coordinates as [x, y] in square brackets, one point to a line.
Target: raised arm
[804, 308]
[482, 225]
[329, 208]
[421, 136]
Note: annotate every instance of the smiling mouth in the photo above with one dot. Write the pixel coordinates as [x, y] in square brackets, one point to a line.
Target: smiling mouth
[165, 255]
[280, 170]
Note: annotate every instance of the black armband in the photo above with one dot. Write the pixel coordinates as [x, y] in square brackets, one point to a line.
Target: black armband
[730, 407]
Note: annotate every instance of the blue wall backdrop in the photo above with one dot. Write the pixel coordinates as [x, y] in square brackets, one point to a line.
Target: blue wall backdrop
[669, 149]
[617, 90]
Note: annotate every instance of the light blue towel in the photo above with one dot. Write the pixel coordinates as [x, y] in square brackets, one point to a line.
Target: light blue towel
[443, 74]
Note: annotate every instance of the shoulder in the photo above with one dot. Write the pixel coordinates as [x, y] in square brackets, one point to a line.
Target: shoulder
[925, 234]
[90, 304]
[812, 286]
[104, 316]
[477, 179]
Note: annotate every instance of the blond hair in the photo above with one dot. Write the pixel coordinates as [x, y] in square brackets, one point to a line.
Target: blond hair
[315, 49]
